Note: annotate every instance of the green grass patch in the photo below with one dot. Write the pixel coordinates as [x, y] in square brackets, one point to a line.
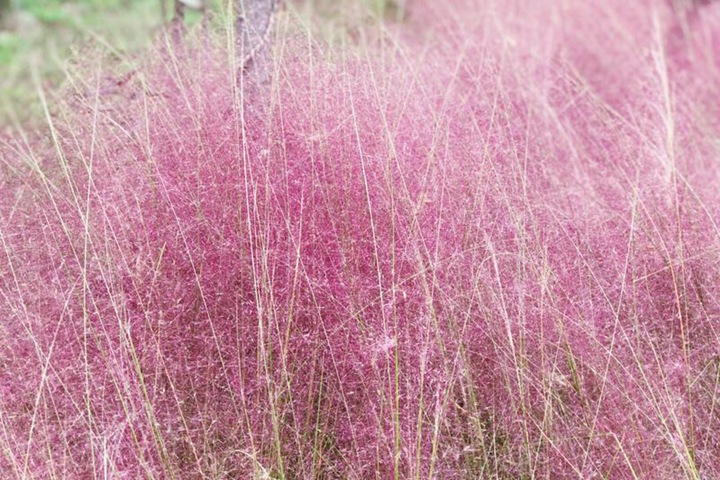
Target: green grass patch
[44, 34]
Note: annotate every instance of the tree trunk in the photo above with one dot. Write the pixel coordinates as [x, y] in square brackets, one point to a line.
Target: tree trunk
[178, 12]
[4, 12]
[253, 24]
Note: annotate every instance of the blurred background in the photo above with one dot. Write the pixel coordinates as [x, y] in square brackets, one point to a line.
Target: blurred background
[39, 37]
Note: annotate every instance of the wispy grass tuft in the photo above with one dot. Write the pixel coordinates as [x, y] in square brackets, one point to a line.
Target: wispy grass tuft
[478, 243]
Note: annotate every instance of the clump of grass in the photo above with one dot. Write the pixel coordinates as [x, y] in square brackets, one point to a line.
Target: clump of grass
[483, 250]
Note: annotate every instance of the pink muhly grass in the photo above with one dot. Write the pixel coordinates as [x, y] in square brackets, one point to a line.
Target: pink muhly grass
[483, 248]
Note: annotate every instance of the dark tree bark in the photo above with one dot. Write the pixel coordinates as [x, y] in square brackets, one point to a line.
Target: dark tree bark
[4, 12]
[253, 25]
[178, 13]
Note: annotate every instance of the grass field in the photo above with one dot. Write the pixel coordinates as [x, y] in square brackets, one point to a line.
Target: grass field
[469, 240]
